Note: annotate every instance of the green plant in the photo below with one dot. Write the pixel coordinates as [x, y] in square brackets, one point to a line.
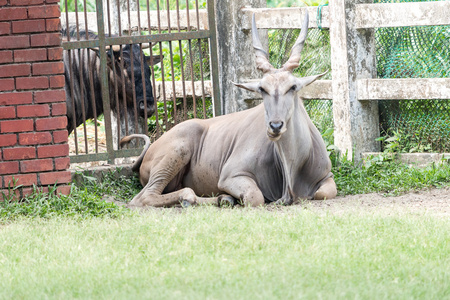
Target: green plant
[79, 203]
[383, 174]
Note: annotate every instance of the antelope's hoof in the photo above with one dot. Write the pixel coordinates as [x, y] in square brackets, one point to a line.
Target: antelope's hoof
[186, 204]
[226, 201]
[283, 202]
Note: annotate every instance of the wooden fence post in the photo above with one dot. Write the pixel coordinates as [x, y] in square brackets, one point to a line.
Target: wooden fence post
[235, 53]
[353, 57]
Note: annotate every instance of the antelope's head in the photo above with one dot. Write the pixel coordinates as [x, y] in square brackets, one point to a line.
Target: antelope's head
[279, 87]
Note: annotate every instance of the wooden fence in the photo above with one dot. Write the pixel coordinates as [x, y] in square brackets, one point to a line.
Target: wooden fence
[354, 88]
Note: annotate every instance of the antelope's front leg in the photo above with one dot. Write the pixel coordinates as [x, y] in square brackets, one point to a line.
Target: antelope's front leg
[243, 188]
[327, 190]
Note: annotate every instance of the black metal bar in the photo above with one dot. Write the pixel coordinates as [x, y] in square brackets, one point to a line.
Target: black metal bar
[214, 60]
[91, 81]
[168, 36]
[180, 46]
[154, 38]
[104, 81]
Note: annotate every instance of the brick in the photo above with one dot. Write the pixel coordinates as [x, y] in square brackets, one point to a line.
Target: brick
[60, 136]
[36, 165]
[46, 39]
[63, 190]
[44, 12]
[31, 111]
[51, 123]
[62, 163]
[53, 25]
[29, 55]
[16, 98]
[5, 28]
[26, 2]
[10, 195]
[7, 112]
[55, 53]
[55, 177]
[16, 41]
[16, 126]
[53, 151]
[33, 190]
[57, 81]
[50, 96]
[22, 179]
[48, 68]
[6, 56]
[19, 153]
[14, 70]
[8, 140]
[13, 13]
[35, 138]
[28, 26]
[59, 109]
[3, 2]
[7, 84]
[9, 167]
[32, 83]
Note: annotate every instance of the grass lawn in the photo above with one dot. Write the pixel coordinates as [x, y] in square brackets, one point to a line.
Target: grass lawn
[209, 253]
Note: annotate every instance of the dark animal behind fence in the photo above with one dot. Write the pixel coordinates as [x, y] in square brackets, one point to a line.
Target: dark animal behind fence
[83, 80]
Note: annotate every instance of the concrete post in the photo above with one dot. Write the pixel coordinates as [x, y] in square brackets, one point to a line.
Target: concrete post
[353, 51]
[235, 53]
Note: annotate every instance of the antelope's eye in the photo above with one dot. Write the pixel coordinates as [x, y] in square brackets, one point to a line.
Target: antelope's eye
[262, 91]
[293, 88]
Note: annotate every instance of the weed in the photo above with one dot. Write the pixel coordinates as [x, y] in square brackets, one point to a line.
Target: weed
[382, 174]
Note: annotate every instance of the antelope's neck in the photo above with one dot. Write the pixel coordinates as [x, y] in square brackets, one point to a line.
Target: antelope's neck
[293, 148]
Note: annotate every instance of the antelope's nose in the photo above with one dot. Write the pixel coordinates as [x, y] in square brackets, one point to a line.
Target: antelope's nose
[276, 126]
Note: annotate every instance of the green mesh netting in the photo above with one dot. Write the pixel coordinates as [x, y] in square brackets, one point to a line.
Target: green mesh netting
[403, 52]
[415, 52]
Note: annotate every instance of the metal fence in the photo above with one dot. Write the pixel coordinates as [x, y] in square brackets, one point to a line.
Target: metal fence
[116, 82]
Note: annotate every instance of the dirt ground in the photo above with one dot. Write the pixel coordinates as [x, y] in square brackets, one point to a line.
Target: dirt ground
[435, 202]
[432, 202]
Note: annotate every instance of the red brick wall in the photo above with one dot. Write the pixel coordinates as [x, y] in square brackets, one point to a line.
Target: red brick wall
[33, 135]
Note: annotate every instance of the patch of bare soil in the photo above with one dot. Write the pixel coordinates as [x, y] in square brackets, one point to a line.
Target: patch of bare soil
[435, 202]
[87, 138]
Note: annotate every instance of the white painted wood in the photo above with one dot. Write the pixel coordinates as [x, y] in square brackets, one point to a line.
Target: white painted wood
[283, 18]
[164, 21]
[353, 58]
[169, 93]
[235, 52]
[402, 14]
[404, 89]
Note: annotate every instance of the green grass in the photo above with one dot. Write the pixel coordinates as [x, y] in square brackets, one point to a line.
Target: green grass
[379, 175]
[211, 253]
[79, 246]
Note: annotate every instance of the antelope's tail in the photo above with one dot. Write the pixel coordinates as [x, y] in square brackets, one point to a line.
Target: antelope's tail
[127, 139]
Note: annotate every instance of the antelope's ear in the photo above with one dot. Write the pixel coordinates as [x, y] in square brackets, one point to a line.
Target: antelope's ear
[304, 81]
[251, 86]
